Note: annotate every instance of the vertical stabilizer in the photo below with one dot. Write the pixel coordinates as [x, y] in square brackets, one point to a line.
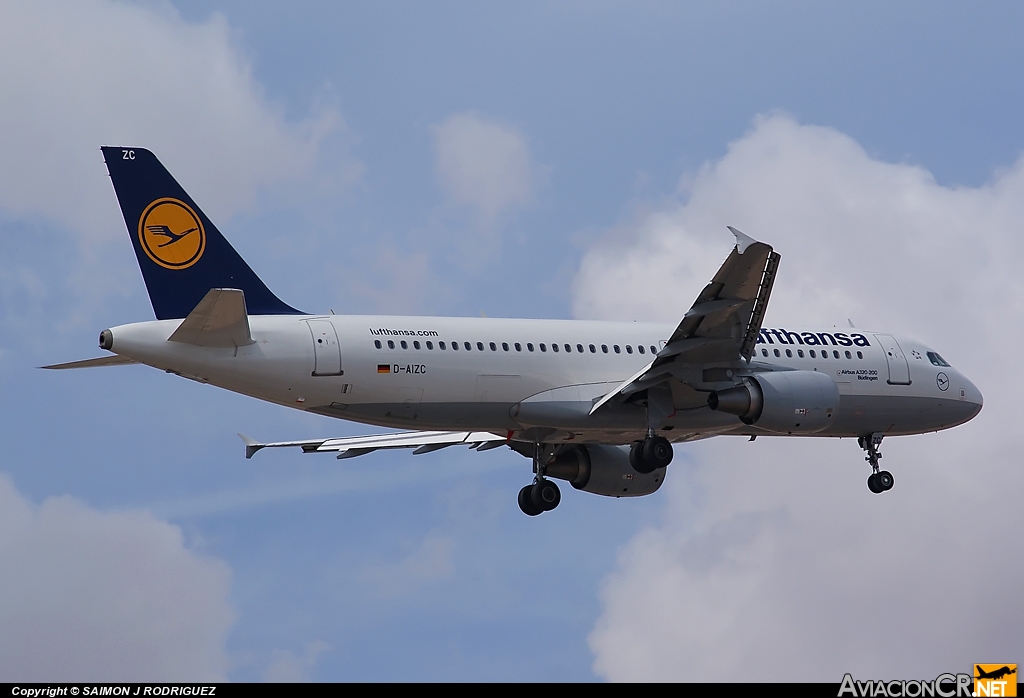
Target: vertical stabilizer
[180, 251]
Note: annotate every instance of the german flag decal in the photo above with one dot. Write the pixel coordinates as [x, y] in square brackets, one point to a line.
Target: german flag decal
[383, 368]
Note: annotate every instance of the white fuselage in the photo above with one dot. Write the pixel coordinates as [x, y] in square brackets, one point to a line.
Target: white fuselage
[507, 376]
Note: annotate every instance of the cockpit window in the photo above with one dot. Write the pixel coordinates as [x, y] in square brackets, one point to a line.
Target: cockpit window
[936, 359]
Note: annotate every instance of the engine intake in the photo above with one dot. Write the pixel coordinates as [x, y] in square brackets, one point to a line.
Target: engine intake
[784, 402]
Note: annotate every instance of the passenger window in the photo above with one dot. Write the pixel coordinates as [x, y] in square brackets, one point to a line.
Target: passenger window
[800, 353]
[593, 349]
[376, 343]
[813, 355]
[655, 351]
[504, 346]
[391, 344]
[848, 354]
[860, 355]
[604, 348]
[824, 354]
[789, 353]
[415, 345]
[430, 346]
[529, 347]
[468, 346]
[935, 359]
[543, 347]
[615, 347]
[640, 348]
[764, 352]
[629, 349]
[480, 346]
[554, 347]
[455, 346]
[441, 345]
[494, 347]
[568, 349]
[579, 348]
[777, 353]
[519, 347]
[835, 354]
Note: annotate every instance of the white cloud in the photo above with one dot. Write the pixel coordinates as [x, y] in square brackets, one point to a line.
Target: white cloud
[93, 596]
[773, 560]
[286, 667]
[483, 165]
[77, 75]
[431, 561]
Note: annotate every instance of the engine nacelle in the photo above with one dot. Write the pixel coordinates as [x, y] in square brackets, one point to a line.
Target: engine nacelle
[604, 470]
[785, 402]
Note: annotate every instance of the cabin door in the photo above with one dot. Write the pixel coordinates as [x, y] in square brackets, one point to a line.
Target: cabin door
[326, 348]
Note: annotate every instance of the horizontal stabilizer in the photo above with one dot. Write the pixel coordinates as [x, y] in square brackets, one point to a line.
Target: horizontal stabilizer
[220, 320]
[113, 360]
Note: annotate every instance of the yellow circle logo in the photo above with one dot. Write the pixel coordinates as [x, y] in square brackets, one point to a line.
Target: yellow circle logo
[172, 234]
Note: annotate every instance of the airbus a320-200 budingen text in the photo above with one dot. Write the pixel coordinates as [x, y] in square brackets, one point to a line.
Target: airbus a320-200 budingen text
[596, 404]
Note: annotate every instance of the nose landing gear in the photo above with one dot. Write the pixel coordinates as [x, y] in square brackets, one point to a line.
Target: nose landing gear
[880, 480]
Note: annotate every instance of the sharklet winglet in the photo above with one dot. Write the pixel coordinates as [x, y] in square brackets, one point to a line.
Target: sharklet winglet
[743, 241]
[251, 445]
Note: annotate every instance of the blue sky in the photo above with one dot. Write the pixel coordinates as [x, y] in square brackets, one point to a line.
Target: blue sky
[527, 159]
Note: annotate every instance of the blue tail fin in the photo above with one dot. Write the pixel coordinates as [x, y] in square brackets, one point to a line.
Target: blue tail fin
[181, 253]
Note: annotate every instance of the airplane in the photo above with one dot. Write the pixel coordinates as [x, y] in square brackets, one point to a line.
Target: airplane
[995, 674]
[596, 404]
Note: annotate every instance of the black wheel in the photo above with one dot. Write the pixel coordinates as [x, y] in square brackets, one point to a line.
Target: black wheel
[657, 452]
[637, 460]
[884, 479]
[546, 495]
[526, 501]
[873, 484]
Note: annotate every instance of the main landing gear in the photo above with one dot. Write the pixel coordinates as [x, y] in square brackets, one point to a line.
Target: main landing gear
[543, 495]
[880, 480]
[650, 454]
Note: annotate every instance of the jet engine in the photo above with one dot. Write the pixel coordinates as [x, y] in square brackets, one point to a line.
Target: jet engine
[604, 470]
[784, 402]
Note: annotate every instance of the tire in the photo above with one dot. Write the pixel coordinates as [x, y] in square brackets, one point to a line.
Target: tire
[637, 460]
[885, 480]
[526, 501]
[873, 484]
[657, 452]
[545, 495]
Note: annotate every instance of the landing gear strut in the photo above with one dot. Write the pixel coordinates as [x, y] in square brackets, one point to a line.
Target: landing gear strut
[543, 495]
[880, 480]
[650, 454]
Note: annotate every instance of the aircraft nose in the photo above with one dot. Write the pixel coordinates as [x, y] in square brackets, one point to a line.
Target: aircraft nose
[972, 395]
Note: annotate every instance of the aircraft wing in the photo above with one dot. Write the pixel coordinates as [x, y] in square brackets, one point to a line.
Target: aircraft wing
[352, 446]
[723, 323]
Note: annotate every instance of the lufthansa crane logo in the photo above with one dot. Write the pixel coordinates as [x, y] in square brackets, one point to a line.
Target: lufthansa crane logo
[172, 234]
